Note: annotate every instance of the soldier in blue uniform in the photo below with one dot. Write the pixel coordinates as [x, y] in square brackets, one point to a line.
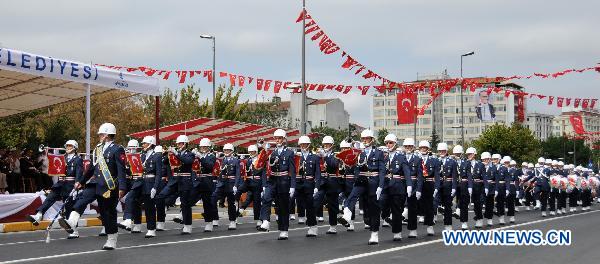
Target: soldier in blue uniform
[63, 188]
[464, 185]
[105, 182]
[553, 197]
[586, 194]
[228, 183]
[561, 204]
[491, 191]
[346, 183]
[308, 177]
[503, 187]
[369, 181]
[430, 183]
[204, 187]
[542, 186]
[476, 170]
[396, 184]
[329, 185]
[280, 185]
[415, 166]
[448, 184]
[574, 195]
[161, 209]
[253, 184]
[144, 187]
[182, 183]
[513, 192]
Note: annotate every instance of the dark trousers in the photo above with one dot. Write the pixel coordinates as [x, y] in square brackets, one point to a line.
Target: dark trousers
[573, 197]
[562, 200]
[304, 197]
[106, 207]
[501, 200]
[347, 189]
[252, 196]
[528, 197]
[210, 207]
[552, 199]
[224, 191]
[332, 204]
[489, 202]
[282, 210]
[161, 201]
[463, 201]
[510, 204]
[476, 198]
[586, 198]
[396, 203]
[136, 200]
[373, 208]
[57, 194]
[445, 194]
[425, 204]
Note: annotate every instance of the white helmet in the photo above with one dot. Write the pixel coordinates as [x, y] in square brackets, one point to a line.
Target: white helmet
[408, 142]
[424, 144]
[554, 163]
[366, 133]
[133, 144]
[279, 133]
[390, 137]
[442, 146]
[471, 150]
[304, 140]
[578, 168]
[182, 139]
[204, 142]
[327, 140]
[149, 139]
[506, 159]
[524, 164]
[72, 143]
[513, 162]
[530, 166]
[541, 160]
[496, 156]
[548, 161]
[228, 146]
[107, 128]
[458, 149]
[485, 155]
[252, 148]
[158, 149]
[560, 163]
[345, 144]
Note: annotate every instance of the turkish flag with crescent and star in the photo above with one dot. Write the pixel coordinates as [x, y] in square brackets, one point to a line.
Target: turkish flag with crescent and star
[57, 166]
[135, 163]
[406, 103]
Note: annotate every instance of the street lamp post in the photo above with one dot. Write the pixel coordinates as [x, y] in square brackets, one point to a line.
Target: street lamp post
[214, 105]
[303, 113]
[462, 109]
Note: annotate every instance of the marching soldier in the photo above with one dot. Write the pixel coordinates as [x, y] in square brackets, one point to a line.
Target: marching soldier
[108, 164]
[329, 186]
[308, 177]
[491, 190]
[513, 192]
[503, 187]
[429, 185]
[574, 195]
[563, 171]
[396, 184]
[415, 166]
[227, 185]
[552, 199]
[449, 180]
[128, 211]
[204, 187]
[464, 186]
[347, 183]
[528, 176]
[182, 182]
[280, 185]
[477, 171]
[161, 210]
[542, 186]
[144, 188]
[63, 188]
[369, 174]
[253, 184]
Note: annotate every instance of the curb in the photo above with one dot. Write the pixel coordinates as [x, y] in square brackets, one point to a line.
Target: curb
[85, 222]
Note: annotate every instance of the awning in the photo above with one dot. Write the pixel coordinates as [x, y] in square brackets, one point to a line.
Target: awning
[220, 132]
[30, 81]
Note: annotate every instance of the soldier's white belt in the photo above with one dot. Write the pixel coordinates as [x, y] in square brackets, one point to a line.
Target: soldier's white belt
[448, 179]
[464, 180]
[280, 174]
[149, 176]
[327, 175]
[477, 180]
[304, 177]
[368, 173]
[254, 177]
[63, 178]
[491, 181]
[350, 177]
[183, 174]
[230, 177]
[397, 176]
[204, 175]
[502, 182]
[429, 179]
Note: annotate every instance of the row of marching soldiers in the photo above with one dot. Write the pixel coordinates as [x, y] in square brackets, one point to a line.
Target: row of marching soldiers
[399, 184]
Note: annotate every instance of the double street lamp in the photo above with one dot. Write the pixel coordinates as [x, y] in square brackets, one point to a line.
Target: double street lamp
[214, 80]
[462, 109]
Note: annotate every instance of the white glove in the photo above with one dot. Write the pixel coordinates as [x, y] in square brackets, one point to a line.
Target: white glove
[470, 191]
[152, 193]
[453, 192]
[315, 191]
[518, 193]
[418, 195]
[507, 192]
[409, 191]
[263, 192]
[292, 192]
[435, 193]
[486, 191]
[495, 193]
[234, 190]
[378, 192]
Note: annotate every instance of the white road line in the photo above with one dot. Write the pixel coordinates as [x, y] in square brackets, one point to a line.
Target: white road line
[440, 240]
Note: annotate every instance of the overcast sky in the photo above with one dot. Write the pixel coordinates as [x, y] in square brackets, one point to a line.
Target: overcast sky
[396, 38]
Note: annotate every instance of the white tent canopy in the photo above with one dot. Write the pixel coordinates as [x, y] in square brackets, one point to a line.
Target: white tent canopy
[30, 81]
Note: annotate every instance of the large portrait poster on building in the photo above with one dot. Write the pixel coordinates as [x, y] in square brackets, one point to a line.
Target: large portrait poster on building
[483, 105]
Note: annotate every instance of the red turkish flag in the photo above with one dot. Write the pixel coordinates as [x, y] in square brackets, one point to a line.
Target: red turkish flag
[364, 89]
[593, 103]
[349, 156]
[86, 164]
[196, 165]
[567, 101]
[406, 103]
[267, 85]
[241, 80]
[550, 100]
[577, 102]
[259, 84]
[261, 160]
[243, 168]
[217, 167]
[135, 163]
[57, 166]
[222, 74]
[182, 75]
[585, 103]
[232, 78]
[209, 74]
[277, 86]
[174, 161]
[577, 124]
[559, 102]
[297, 162]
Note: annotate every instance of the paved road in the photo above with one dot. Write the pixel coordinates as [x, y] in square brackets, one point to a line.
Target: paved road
[246, 245]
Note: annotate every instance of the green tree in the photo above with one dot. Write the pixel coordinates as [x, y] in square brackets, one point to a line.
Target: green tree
[515, 141]
[338, 136]
[435, 139]
[381, 135]
[559, 148]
